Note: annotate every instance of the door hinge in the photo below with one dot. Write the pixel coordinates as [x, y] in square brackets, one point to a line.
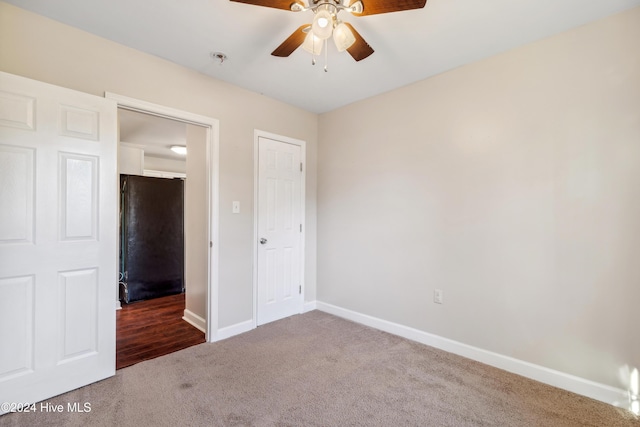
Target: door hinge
[300, 166]
[301, 228]
[210, 244]
[300, 289]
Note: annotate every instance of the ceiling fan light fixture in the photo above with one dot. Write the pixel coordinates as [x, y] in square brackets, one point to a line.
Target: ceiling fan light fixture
[312, 44]
[343, 37]
[322, 25]
[325, 22]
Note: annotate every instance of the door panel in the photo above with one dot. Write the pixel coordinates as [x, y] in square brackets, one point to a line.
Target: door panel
[17, 330]
[279, 226]
[16, 217]
[78, 290]
[78, 196]
[58, 228]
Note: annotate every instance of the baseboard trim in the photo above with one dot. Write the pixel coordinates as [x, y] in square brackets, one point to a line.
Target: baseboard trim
[309, 306]
[237, 329]
[247, 325]
[584, 387]
[195, 320]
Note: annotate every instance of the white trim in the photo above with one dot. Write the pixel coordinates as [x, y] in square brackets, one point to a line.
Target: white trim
[237, 329]
[131, 144]
[163, 174]
[309, 306]
[195, 320]
[213, 190]
[584, 387]
[303, 158]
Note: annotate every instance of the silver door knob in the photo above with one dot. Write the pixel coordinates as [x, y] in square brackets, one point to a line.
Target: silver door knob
[263, 240]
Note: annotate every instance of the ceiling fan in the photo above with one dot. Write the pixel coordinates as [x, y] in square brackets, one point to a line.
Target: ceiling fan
[326, 23]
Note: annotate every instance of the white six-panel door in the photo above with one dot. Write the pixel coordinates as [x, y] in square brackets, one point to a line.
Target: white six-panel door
[279, 230]
[58, 230]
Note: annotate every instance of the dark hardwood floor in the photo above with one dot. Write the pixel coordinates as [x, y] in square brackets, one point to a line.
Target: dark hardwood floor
[152, 328]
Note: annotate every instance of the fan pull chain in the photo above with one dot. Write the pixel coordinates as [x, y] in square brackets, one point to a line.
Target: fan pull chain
[326, 56]
[313, 49]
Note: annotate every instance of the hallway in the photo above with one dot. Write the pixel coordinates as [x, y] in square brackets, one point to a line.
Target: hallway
[152, 328]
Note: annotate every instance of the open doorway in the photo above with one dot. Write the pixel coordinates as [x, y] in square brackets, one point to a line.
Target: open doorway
[152, 163]
[160, 189]
[202, 303]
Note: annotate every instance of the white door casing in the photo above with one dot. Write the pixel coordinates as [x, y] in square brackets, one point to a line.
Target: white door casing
[209, 324]
[279, 269]
[58, 231]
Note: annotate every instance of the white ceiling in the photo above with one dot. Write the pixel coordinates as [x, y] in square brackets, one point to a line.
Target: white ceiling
[409, 46]
[155, 135]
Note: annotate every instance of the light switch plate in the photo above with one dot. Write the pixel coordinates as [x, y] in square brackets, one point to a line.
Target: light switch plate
[438, 296]
[236, 207]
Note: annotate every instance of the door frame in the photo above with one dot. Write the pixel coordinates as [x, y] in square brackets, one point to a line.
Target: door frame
[213, 190]
[257, 134]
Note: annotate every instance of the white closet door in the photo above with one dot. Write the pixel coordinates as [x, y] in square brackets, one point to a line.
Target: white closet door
[58, 231]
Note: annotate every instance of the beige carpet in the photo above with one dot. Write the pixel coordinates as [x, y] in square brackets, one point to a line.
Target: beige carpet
[319, 370]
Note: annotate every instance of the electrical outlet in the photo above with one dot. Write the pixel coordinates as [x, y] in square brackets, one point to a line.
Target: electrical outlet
[438, 296]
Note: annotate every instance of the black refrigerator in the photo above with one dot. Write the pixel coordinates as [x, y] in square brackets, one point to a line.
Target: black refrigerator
[151, 237]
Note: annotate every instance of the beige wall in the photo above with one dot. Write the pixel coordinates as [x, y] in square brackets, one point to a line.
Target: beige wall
[42, 49]
[513, 184]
